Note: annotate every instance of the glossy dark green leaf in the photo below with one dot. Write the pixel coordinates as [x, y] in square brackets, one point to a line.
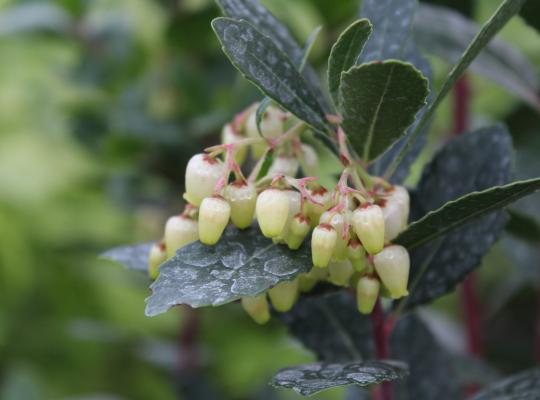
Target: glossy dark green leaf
[257, 15]
[496, 22]
[266, 164]
[380, 101]
[309, 379]
[310, 42]
[391, 21]
[522, 386]
[330, 325]
[458, 212]
[267, 67]
[523, 226]
[472, 162]
[391, 38]
[345, 52]
[446, 33]
[531, 14]
[133, 257]
[243, 263]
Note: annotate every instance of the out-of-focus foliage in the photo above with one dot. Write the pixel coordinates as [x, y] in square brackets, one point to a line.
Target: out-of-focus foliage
[101, 104]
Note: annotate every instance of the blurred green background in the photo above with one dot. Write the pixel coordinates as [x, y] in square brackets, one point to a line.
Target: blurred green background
[102, 103]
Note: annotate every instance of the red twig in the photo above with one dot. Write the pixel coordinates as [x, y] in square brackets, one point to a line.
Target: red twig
[462, 100]
[189, 331]
[382, 329]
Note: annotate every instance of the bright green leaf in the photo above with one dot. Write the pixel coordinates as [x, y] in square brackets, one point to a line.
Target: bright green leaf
[380, 101]
[345, 52]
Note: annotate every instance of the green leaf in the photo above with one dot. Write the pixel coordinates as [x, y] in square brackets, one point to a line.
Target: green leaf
[391, 21]
[502, 15]
[243, 263]
[392, 39]
[268, 68]
[132, 257]
[457, 212]
[259, 113]
[531, 14]
[523, 226]
[522, 386]
[266, 164]
[313, 378]
[472, 162]
[257, 15]
[345, 52]
[446, 33]
[380, 101]
[330, 325]
[308, 47]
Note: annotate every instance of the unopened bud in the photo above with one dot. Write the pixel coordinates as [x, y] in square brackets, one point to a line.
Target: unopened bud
[272, 210]
[295, 200]
[392, 266]
[357, 255]
[156, 257]
[202, 174]
[337, 221]
[310, 160]
[393, 219]
[284, 165]
[298, 230]
[271, 126]
[214, 216]
[242, 197]
[340, 272]
[323, 243]
[368, 223]
[230, 136]
[401, 195]
[324, 198]
[257, 308]
[284, 295]
[179, 231]
[367, 292]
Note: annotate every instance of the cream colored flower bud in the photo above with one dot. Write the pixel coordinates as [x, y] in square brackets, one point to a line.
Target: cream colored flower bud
[257, 308]
[242, 197]
[214, 216]
[368, 223]
[271, 126]
[179, 231]
[340, 272]
[392, 265]
[393, 219]
[272, 210]
[284, 165]
[295, 200]
[357, 255]
[337, 221]
[156, 257]
[284, 295]
[401, 195]
[324, 198]
[323, 243]
[202, 174]
[230, 136]
[298, 230]
[367, 292]
[307, 281]
[310, 160]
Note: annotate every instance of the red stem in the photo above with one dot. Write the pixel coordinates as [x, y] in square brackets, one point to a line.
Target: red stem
[189, 331]
[470, 304]
[382, 329]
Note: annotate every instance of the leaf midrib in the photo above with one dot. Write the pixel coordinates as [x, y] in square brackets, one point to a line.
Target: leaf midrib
[371, 129]
[475, 214]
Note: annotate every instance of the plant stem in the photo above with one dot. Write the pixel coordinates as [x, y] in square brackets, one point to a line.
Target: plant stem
[469, 300]
[187, 341]
[506, 10]
[382, 328]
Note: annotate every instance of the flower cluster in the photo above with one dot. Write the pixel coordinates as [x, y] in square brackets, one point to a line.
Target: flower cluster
[351, 226]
